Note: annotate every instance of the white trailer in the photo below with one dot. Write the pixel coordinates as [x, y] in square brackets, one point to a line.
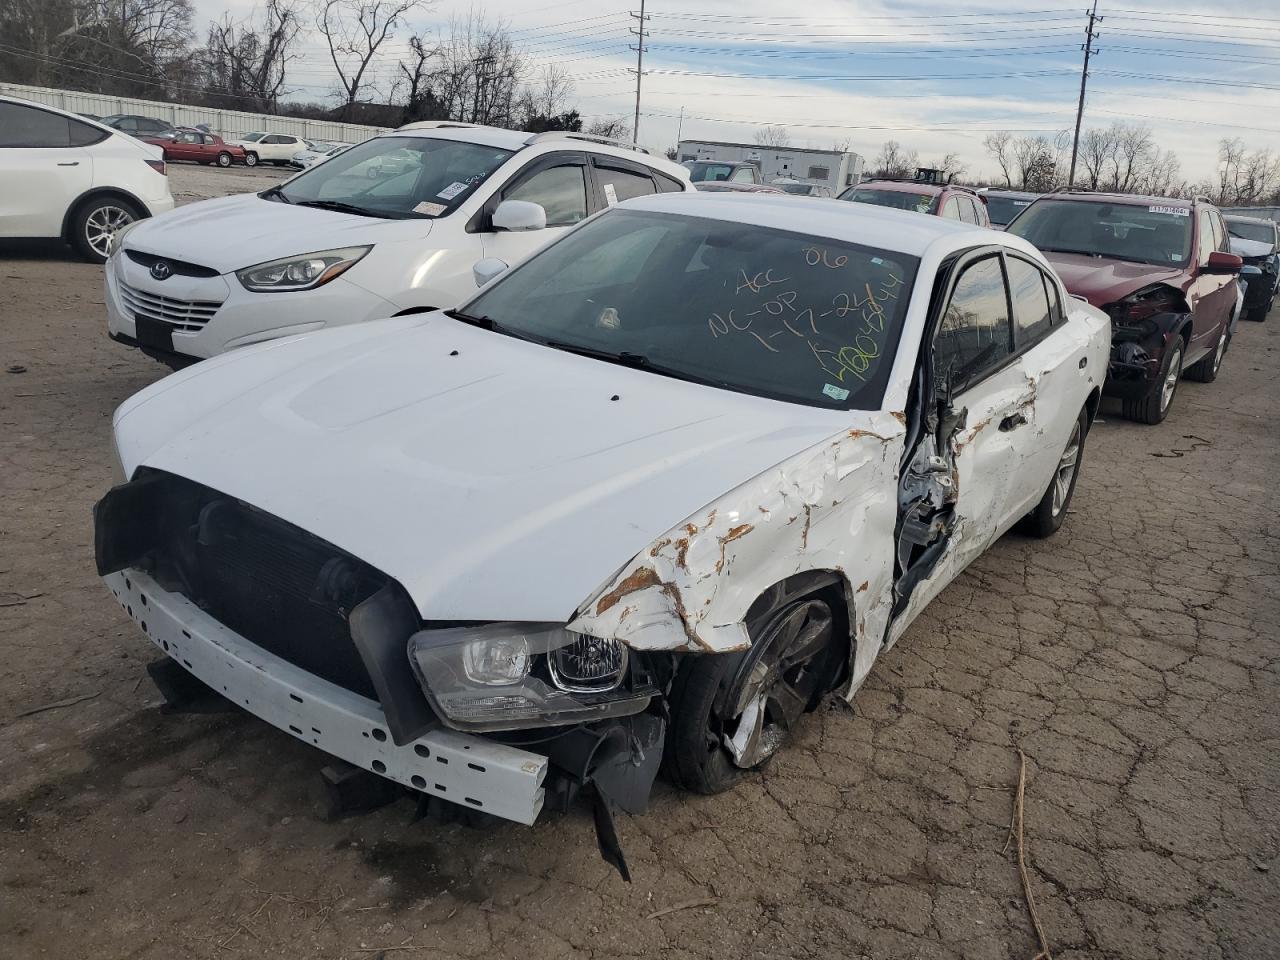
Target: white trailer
[836, 169]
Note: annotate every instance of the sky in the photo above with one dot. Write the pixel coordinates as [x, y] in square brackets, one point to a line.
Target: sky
[937, 77]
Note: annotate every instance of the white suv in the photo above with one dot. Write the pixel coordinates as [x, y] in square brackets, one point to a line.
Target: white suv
[270, 147]
[405, 222]
[64, 176]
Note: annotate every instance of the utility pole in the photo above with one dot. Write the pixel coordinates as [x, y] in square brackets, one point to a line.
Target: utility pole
[639, 49]
[1089, 37]
[680, 128]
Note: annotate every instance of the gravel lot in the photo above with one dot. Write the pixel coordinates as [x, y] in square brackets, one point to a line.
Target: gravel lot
[1133, 658]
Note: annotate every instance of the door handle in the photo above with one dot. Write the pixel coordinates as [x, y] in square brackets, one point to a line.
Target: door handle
[1012, 422]
[68, 163]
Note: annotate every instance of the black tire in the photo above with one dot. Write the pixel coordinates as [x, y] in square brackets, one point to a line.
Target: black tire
[95, 220]
[250, 159]
[1155, 404]
[708, 691]
[224, 159]
[1205, 370]
[1050, 513]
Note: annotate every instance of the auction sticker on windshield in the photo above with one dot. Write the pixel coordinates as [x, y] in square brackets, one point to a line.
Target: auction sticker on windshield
[1172, 211]
[452, 190]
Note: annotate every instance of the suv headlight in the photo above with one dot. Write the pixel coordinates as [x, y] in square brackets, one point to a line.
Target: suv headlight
[304, 272]
[506, 676]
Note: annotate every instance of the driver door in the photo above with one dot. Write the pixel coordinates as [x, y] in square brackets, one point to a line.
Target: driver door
[559, 183]
[962, 488]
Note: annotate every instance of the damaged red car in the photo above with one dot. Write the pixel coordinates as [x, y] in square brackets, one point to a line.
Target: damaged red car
[1161, 269]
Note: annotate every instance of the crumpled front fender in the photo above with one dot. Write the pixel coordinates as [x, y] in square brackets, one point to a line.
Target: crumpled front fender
[832, 507]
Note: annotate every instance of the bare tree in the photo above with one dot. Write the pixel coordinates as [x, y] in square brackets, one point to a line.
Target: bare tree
[354, 32]
[894, 161]
[1133, 147]
[479, 72]
[843, 145]
[951, 166]
[773, 137]
[998, 145]
[1035, 162]
[245, 60]
[131, 47]
[1097, 148]
[615, 129]
[1161, 175]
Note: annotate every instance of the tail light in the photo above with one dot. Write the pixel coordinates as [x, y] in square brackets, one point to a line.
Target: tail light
[156, 165]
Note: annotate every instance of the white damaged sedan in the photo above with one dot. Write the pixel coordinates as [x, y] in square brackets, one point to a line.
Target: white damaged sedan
[657, 490]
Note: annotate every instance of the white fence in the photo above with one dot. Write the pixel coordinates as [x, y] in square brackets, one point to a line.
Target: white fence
[228, 124]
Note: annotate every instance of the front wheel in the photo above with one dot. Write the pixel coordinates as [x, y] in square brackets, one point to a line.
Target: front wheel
[250, 159]
[95, 224]
[1154, 406]
[732, 712]
[224, 159]
[1051, 511]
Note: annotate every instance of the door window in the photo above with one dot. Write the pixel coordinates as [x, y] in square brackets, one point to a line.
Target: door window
[626, 184]
[1206, 242]
[743, 175]
[967, 211]
[975, 335]
[951, 209]
[1032, 315]
[23, 126]
[560, 191]
[1220, 233]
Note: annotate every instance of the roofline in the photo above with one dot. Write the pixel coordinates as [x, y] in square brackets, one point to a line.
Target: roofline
[767, 149]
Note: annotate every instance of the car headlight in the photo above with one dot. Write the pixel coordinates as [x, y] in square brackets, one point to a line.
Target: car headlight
[506, 676]
[114, 245]
[305, 272]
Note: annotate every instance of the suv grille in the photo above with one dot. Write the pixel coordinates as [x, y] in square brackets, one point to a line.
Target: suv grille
[186, 315]
[179, 267]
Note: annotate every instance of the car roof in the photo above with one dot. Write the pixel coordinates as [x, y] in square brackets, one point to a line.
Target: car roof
[517, 140]
[901, 231]
[1132, 199]
[1012, 194]
[904, 186]
[1241, 218]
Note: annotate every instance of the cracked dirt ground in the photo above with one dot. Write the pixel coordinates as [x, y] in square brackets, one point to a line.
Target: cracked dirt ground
[1133, 657]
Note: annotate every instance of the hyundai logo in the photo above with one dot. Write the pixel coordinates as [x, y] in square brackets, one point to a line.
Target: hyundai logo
[161, 270]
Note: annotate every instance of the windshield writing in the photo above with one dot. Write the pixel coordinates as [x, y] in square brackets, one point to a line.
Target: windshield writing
[770, 312]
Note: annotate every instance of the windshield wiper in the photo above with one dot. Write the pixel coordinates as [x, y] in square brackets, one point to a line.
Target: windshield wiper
[484, 323]
[626, 358]
[275, 193]
[1102, 256]
[340, 207]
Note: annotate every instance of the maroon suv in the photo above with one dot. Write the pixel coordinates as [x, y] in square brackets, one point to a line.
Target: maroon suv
[922, 195]
[1162, 269]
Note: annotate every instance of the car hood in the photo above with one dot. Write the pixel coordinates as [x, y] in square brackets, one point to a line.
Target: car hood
[1250, 248]
[231, 233]
[492, 477]
[1102, 281]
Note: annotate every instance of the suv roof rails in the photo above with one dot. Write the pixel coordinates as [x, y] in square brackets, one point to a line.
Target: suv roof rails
[437, 125]
[591, 137]
[1200, 197]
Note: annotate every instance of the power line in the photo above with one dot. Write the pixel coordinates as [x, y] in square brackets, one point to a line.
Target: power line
[641, 21]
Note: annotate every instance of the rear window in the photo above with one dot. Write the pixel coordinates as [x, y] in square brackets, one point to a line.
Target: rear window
[1158, 233]
[898, 199]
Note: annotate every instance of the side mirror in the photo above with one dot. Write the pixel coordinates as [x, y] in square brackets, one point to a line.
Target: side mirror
[1220, 262]
[490, 267]
[519, 215]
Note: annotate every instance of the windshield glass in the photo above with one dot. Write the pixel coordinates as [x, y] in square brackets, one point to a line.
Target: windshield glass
[898, 199]
[705, 172]
[1154, 233]
[1244, 230]
[397, 177]
[1002, 210]
[769, 312]
[801, 188]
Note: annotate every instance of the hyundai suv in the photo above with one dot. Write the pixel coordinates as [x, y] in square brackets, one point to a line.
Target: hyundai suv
[1161, 268]
[405, 222]
[922, 195]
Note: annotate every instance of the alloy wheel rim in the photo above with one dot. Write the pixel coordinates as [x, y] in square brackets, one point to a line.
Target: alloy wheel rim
[1219, 353]
[780, 682]
[102, 224]
[1171, 379]
[1066, 470]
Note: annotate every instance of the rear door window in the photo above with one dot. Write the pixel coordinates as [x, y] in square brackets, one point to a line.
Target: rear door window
[23, 126]
[951, 208]
[619, 183]
[1032, 312]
